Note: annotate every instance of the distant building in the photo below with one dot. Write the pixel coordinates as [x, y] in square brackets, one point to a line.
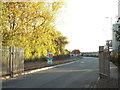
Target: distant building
[75, 52]
[116, 27]
[119, 12]
[96, 54]
[115, 43]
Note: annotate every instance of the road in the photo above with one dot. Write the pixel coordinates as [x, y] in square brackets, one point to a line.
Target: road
[78, 74]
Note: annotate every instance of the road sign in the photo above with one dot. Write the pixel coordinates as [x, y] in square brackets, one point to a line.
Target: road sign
[49, 58]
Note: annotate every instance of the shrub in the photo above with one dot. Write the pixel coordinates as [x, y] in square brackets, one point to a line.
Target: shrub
[116, 58]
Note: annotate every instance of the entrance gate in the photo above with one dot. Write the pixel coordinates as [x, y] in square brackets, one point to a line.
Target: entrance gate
[104, 63]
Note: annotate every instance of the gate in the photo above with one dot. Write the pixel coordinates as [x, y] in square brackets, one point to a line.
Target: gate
[104, 63]
[12, 60]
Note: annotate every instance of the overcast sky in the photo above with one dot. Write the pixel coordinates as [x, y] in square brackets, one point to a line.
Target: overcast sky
[85, 24]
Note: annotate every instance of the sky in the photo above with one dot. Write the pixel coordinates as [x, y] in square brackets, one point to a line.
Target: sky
[87, 23]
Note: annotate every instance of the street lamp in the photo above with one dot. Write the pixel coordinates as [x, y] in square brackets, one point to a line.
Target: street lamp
[109, 42]
[110, 26]
[110, 21]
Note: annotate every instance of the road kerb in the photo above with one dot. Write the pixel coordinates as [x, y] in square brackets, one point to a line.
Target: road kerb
[37, 70]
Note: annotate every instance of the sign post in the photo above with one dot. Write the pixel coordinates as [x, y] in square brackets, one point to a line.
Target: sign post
[49, 58]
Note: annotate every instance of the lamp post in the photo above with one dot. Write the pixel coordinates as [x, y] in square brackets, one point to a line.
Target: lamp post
[110, 21]
[108, 41]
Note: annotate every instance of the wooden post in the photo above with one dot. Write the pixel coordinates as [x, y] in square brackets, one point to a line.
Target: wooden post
[101, 66]
[11, 60]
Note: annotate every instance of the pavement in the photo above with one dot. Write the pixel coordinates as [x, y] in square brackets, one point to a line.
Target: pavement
[112, 82]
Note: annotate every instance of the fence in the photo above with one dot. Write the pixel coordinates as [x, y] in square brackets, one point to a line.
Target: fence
[104, 63]
[12, 60]
[0, 60]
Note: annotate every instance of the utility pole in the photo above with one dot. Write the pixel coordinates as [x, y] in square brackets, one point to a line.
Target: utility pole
[118, 19]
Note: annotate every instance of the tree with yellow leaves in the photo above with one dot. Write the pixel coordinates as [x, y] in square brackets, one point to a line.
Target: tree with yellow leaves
[30, 25]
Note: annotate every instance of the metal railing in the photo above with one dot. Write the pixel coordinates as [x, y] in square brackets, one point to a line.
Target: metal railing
[12, 60]
[104, 62]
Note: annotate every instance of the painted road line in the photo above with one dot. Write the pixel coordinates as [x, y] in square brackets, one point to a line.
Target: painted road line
[63, 64]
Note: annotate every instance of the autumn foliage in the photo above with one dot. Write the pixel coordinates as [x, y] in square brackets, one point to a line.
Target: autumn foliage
[31, 26]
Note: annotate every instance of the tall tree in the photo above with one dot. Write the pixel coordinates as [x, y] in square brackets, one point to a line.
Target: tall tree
[30, 25]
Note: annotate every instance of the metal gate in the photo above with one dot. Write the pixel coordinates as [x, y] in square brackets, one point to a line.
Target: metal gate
[12, 60]
[104, 63]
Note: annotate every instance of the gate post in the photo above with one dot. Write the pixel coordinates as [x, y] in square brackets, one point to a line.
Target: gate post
[11, 60]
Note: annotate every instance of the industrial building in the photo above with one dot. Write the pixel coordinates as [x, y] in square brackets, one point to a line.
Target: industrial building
[115, 29]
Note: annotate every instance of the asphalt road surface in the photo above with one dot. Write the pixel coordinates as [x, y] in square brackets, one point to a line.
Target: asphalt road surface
[78, 74]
